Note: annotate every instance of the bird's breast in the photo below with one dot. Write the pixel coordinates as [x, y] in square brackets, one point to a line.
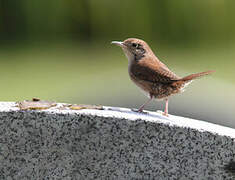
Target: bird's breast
[145, 88]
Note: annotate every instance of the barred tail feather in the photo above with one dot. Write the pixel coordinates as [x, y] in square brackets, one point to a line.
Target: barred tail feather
[195, 76]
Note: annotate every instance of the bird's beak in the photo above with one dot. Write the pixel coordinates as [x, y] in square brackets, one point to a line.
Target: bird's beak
[118, 43]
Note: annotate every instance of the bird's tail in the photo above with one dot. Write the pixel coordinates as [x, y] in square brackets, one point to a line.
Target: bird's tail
[187, 79]
[195, 76]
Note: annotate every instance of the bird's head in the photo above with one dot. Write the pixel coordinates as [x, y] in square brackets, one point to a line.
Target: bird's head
[134, 49]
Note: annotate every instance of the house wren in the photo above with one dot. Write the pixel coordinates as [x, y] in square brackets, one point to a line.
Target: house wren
[150, 74]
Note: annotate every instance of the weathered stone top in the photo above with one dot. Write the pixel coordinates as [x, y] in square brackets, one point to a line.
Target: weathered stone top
[113, 143]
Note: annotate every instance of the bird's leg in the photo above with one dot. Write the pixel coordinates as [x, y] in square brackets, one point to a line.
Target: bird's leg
[142, 107]
[166, 108]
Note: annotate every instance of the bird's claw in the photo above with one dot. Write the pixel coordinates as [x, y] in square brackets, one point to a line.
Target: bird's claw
[139, 111]
[165, 114]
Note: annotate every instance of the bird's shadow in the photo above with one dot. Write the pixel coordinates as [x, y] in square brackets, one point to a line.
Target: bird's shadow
[141, 114]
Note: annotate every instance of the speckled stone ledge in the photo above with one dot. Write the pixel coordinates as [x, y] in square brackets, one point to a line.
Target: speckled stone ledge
[114, 143]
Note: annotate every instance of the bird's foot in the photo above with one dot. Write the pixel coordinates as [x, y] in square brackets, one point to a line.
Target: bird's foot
[165, 114]
[139, 111]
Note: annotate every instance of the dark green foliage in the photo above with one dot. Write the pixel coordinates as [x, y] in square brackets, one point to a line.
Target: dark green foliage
[165, 21]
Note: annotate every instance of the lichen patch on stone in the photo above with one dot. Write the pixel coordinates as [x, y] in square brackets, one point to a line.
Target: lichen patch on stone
[84, 106]
[35, 104]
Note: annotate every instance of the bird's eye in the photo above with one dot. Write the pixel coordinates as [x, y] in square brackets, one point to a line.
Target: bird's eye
[135, 45]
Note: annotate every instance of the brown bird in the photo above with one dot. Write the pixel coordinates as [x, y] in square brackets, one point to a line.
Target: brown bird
[150, 74]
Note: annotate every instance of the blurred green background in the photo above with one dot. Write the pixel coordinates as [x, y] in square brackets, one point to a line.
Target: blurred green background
[60, 50]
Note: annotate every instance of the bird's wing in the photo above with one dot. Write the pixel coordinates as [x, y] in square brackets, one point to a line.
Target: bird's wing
[154, 73]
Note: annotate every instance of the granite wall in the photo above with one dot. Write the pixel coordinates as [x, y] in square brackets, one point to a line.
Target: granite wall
[112, 143]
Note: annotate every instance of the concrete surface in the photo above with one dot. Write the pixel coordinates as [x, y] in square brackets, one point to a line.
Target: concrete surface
[114, 143]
